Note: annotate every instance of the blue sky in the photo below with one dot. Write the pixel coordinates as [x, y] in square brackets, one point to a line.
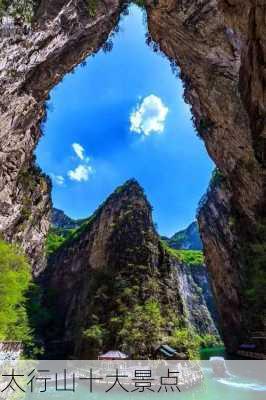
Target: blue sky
[123, 116]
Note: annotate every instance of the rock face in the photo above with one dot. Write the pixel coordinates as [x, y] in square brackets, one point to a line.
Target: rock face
[114, 266]
[220, 48]
[61, 220]
[32, 61]
[187, 239]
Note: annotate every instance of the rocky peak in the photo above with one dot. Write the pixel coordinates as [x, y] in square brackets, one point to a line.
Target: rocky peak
[112, 269]
[188, 238]
[61, 220]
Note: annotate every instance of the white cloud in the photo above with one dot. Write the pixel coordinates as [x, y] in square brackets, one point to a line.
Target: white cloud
[58, 179]
[81, 173]
[149, 116]
[79, 150]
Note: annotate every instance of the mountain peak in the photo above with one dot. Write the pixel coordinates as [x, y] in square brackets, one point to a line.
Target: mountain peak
[130, 185]
[61, 220]
[186, 239]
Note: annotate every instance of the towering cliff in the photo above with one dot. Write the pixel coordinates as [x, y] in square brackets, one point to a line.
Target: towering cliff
[220, 48]
[117, 286]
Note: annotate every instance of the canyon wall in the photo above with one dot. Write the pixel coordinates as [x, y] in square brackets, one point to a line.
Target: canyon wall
[220, 48]
[115, 272]
[32, 61]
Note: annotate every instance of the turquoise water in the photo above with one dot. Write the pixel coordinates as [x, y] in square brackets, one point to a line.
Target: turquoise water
[231, 388]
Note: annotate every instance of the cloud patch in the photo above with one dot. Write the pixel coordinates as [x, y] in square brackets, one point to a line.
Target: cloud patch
[81, 173]
[58, 179]
[79, 150]
[149, 116]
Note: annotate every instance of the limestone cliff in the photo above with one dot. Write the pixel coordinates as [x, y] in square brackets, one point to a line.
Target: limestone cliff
[112, 267]
[34, 58]
[219, 46]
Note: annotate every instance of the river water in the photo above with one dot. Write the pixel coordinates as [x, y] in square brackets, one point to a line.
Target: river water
[241, 383]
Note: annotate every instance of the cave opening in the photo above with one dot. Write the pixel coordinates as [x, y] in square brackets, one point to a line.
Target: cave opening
[120, 115]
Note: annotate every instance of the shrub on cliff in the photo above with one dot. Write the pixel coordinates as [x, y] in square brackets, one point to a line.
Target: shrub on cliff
[15, 280]
[143, 327]
[187, 341]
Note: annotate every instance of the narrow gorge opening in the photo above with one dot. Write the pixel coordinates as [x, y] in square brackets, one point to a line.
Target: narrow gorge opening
[120, 118]
[121, 115]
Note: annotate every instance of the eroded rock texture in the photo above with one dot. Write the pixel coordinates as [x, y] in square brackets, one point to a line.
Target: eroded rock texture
[220, 48]
[107, 273]
[31, 63]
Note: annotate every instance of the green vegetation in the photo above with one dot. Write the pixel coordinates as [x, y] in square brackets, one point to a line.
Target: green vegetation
[24, 9]
[216, 178]
[183, 339]
[209, 341]
[132, 316]
[15, 278]
[189, 257]
[56, 237]
[142, 328]
[215, 351]
[91, 7]
[21, 312]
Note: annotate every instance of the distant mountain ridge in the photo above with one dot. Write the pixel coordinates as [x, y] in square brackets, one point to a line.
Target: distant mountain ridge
[61, 220]
[186, 239]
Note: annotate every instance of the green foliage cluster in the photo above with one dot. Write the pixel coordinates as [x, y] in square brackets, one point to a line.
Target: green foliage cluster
[24, 9]
[15, 281]
[56, 237]
[21, 311]
[209, 341]
[142, 328]
[130, 316]
[187, 339]
[138, 327]
[53, 241]
[91, 7]
[189, 257]
[216, 178]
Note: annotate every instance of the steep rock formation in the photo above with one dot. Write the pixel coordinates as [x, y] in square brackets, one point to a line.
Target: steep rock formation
[29, 221]
[61, 220]
[220, 48]
[32, 61]
[114, 266]
[188, 239]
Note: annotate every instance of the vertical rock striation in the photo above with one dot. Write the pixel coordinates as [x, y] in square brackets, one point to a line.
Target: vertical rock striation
[114, 265]
[220, 50]
[32, 62]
